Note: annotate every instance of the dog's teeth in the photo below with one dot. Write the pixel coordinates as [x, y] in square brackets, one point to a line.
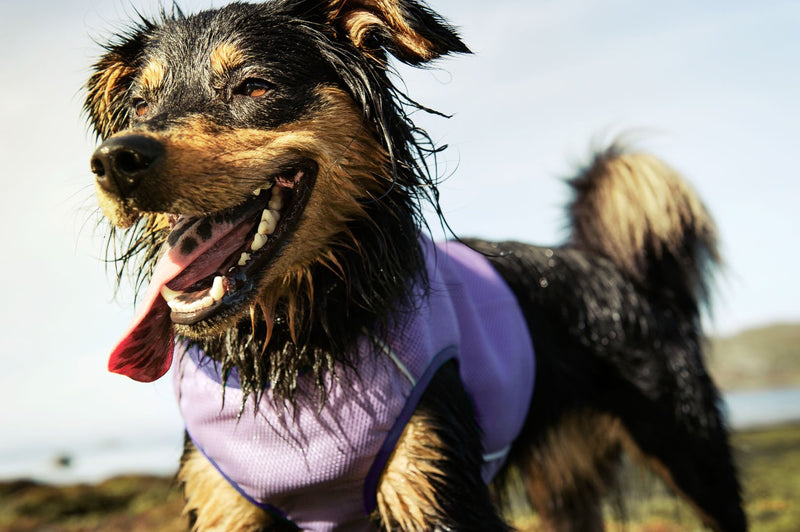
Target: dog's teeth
[269, 221]
[258, 242]
[207, 302]
[243, 259]
[180, 306]
[217, 289]
[276, 200]
[169, 295]
[257, 192]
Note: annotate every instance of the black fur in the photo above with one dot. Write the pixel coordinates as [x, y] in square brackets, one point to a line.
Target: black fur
[606, 345]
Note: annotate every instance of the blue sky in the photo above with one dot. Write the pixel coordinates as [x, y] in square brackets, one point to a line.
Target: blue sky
[711, 87]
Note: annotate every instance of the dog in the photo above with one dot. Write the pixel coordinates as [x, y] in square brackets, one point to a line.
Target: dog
[335, 368]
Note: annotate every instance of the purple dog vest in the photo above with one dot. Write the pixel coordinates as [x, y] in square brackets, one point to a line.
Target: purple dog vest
[320, 466]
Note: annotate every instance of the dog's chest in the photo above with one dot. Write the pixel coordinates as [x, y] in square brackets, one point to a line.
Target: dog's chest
[320, 467]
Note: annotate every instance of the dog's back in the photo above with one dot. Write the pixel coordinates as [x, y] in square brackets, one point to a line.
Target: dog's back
[614, 316]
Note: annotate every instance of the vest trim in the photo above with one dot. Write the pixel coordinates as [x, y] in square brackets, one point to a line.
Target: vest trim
[373, 476]
[264, 506]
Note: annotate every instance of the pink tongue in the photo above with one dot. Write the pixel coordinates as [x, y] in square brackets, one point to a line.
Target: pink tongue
[144, 353]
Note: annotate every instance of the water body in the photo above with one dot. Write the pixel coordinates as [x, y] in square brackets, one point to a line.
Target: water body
[759, 408]
[158, 453]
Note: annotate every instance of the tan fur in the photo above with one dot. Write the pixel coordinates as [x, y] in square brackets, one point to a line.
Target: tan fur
[406, 498]
[225, 57]
[579, 452]
[637, 203]
[662, 471]
[360, 18]
[106, 88]
[152, 75]
[574, 454]
[217, 505]
[119, 213]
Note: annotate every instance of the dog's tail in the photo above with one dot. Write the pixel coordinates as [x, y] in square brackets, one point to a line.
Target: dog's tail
[614, 318]
[637, 211]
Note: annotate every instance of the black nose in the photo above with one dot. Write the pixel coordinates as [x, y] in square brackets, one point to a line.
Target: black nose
[121, 163]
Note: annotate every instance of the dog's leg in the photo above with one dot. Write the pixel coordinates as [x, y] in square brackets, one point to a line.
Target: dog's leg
[212, 504]
[568, 468]
[433, 479]
[687, 445]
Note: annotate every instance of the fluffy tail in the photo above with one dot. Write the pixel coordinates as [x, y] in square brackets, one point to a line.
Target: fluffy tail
[637, 211]
[619, 348]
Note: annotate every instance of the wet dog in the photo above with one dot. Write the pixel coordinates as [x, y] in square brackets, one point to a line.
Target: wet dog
[337, 369]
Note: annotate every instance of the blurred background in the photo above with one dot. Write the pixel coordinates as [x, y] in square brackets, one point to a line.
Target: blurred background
[711, 87]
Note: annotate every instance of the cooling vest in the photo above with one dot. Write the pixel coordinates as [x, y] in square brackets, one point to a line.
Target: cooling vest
[319, 465]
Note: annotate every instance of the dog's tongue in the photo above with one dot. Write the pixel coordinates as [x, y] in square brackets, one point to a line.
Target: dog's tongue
[144, 353]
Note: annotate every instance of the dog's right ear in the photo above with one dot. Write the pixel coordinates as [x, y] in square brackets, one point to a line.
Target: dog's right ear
[407, 29]
[106, 103]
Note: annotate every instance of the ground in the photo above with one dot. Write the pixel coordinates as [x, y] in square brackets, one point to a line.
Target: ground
[769, 460]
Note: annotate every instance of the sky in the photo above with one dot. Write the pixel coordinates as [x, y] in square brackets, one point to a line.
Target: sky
[711, 87]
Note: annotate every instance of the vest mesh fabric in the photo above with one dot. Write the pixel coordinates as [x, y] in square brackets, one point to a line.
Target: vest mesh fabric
[319, 466]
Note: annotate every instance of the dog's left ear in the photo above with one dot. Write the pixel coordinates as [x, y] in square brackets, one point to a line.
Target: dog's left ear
[407, 29]
[107, 88]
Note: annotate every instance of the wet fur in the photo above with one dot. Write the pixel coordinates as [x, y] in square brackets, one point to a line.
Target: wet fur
[614, 313]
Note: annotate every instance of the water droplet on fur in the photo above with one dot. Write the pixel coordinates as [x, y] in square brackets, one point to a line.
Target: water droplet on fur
[543, 282]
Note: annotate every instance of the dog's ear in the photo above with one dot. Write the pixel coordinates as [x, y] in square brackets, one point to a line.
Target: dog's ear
[106, 104]
[407, 29]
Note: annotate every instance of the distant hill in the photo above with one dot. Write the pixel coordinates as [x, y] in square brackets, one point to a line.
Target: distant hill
[764, 357]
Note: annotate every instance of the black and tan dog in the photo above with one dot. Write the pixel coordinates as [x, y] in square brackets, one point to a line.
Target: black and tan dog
[262, 172]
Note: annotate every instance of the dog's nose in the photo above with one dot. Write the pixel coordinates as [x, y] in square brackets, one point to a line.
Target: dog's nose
[120, 163]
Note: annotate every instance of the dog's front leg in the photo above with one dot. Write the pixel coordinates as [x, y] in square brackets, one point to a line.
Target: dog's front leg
[212, 504]
[433, 479]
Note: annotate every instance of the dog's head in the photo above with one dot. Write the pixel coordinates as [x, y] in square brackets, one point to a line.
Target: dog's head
[251, 148]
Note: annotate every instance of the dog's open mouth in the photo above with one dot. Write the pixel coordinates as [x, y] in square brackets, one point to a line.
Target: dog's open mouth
[211, 266]
[241, 243]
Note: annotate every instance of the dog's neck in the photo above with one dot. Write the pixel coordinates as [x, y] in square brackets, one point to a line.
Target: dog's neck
[331, 312]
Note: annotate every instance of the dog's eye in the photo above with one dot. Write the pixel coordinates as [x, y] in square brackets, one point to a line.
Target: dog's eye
[253, 88]
[140, 107]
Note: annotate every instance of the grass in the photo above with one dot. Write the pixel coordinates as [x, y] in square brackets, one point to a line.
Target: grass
[760, 358]
[769, 468]
[769, 462]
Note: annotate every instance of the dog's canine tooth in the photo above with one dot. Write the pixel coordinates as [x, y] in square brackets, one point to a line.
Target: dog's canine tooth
[257, 192]
[169, 295]
[217, 289]
[258, 242]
